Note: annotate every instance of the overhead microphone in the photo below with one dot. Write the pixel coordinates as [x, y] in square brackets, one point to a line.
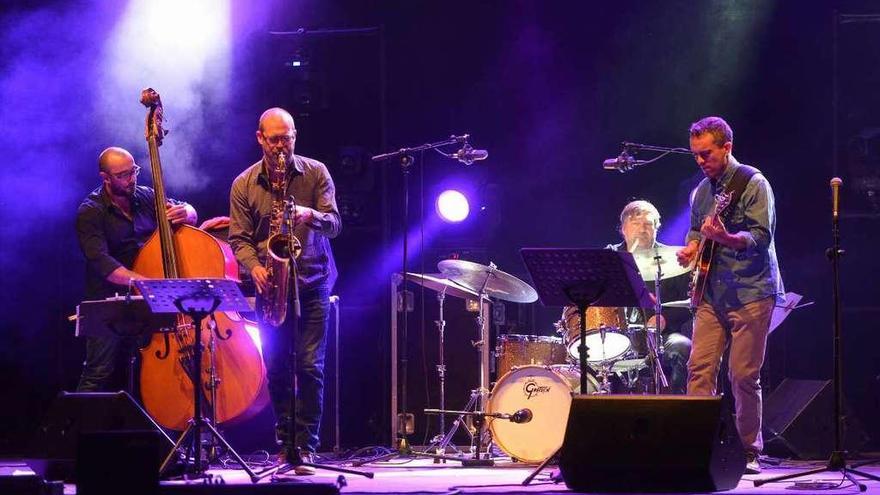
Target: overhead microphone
[835, 193]
[468, 155]
[622, 163]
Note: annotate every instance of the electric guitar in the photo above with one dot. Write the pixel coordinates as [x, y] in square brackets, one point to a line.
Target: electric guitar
[705, 253]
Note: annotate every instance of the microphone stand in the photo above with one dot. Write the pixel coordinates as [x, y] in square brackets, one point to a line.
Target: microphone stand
[405, 156]
[627, 162]
[837, 461]
[292, 464]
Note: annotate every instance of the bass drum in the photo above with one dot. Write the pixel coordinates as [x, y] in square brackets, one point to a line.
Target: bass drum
[546, 392]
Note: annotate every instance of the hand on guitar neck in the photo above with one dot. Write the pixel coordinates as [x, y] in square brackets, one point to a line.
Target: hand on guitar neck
[713, 229]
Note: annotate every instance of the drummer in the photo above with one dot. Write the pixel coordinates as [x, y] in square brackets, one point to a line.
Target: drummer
[639, 223]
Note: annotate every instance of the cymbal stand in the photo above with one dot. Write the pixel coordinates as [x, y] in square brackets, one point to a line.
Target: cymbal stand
[478, 441]
[653, 335]
[443, 439]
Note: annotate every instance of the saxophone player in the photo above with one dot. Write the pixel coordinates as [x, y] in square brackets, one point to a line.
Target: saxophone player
[315, 219]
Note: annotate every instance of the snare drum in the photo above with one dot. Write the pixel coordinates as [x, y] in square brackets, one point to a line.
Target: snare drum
[520, 350]
[606, 341]
[546, 392]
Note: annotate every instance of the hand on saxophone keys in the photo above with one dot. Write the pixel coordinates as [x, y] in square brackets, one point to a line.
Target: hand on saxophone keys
[303, 215]
[261, 278]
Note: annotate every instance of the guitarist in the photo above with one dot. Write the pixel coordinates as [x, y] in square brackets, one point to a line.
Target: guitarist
[742, 283]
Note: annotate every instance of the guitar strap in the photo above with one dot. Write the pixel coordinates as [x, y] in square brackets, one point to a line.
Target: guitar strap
[737, 185]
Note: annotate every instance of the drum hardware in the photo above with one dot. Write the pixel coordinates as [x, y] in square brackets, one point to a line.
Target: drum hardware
[442, 440]
[545, 392]
[487, 282]
[662, 255]
[584, 278]
[479, 419]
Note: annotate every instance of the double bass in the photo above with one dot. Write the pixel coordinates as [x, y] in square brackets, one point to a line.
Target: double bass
[238, 389]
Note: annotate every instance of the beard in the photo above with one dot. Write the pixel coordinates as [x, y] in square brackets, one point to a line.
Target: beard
[122, 190]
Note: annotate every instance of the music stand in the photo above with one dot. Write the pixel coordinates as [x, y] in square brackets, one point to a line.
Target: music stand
[584, 277]
[196, 298]
[124, 317]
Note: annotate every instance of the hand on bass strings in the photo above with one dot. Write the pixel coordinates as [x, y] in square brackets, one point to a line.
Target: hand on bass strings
[177, 214]
[686, 254]
[261, 278]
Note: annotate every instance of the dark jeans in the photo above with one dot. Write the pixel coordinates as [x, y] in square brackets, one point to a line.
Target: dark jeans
[102, 356]
[311, 345]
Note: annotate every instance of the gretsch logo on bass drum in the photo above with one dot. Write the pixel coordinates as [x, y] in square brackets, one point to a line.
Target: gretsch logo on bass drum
[532, 389]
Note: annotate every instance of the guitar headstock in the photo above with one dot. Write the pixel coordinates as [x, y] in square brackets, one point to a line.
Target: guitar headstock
[722, 201]
[155, 117]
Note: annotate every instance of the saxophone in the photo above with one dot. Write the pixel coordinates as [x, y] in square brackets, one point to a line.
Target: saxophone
[272, 303]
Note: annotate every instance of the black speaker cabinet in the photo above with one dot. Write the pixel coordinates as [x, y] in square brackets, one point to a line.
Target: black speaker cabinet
[799, 421]
[650, 444]
[117, 461]
[75, 414]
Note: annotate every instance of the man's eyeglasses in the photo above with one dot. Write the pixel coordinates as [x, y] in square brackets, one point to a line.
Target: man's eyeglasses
[283, 138]
[128, 173]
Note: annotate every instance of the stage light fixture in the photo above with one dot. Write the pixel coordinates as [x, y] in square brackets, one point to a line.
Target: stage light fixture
[452, 206]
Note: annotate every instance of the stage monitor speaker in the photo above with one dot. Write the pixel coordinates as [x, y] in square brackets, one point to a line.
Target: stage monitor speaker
[799, 421]
[73, 414]
[118, 461]
[651, 444]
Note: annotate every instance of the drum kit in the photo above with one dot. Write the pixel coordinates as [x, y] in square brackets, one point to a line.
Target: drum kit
[539, 373]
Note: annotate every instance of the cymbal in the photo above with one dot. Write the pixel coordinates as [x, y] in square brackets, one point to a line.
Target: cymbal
[492, 281]
[437, 282]
[684, 303]
[668, 262]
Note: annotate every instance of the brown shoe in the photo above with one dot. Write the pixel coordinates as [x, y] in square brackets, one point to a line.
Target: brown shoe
[302, 470]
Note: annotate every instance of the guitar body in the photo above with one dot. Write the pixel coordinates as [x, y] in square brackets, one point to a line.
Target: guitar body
[705, 255]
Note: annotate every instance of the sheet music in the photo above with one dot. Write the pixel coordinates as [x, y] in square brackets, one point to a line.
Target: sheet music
[781, 311]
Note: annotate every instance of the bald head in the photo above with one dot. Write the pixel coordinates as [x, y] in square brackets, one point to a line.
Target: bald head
[274, 117]
[113, 158]
[277, 134]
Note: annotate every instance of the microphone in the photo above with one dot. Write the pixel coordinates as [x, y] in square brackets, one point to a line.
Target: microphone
[835, 188]
[521, 416]
[469, 155]
[624, 162]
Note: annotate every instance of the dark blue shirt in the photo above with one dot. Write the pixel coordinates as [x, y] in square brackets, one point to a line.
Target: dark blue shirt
[740, 277]
[108, 239]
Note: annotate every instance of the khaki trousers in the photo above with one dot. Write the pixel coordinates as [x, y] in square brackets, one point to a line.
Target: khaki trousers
[748, 327]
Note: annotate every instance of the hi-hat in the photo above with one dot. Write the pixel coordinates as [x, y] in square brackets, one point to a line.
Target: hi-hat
[669, 266]
[487, 280]
[437, 282]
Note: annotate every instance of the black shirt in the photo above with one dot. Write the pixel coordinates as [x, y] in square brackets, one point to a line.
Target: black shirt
[108, 239]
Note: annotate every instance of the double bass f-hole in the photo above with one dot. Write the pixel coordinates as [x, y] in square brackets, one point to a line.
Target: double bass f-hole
[216, 328]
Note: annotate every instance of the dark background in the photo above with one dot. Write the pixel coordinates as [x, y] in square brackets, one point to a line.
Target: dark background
[549, 88]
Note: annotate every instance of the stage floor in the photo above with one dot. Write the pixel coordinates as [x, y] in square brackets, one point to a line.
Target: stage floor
[422, 476]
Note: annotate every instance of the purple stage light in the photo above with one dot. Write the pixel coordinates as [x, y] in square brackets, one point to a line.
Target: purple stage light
[452, 206]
